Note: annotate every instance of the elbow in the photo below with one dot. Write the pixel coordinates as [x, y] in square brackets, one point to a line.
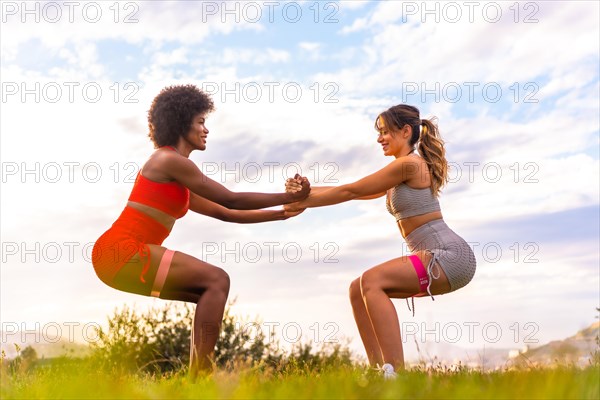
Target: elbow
[235, 204]
[237, 201]
[229, 201]
[223, 215]
[350, 193]
[229, 204]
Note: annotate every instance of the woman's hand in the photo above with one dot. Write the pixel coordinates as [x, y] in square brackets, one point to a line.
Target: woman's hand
[293, 208]
[289, 212]
[298, 187]
[293, 185]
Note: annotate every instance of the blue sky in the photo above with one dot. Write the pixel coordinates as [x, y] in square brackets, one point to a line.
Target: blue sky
[305, 94]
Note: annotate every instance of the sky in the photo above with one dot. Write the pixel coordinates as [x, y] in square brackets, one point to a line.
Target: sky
[297, 87]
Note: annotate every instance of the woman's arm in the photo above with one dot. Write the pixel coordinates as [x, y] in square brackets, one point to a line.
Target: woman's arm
[292, 185]
[186, 172]
[214, 210]
[371, 186]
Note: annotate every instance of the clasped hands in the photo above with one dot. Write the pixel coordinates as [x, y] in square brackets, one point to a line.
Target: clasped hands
[294, 185]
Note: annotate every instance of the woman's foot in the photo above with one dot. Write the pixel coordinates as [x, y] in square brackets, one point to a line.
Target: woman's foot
[388, 372]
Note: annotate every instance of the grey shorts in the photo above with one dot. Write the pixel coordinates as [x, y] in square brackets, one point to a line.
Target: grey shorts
[449, 251]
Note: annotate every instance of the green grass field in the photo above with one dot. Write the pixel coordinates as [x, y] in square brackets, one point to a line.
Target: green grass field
[70, 378]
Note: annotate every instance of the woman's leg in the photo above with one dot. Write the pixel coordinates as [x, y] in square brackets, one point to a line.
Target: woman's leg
[192, 280]
[396, 278]
[363, 322]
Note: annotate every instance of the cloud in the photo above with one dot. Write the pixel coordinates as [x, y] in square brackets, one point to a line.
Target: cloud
[254, 56]
[352, 5]
[177, 56]
[358, 25]
[309, 46]
[134, 22]
[394, 53]
[581, 223]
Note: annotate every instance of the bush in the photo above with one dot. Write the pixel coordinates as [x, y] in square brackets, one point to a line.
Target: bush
[25, 361]
[158, 341]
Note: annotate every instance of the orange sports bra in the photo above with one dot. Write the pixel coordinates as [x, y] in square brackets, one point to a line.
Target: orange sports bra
[170, 197]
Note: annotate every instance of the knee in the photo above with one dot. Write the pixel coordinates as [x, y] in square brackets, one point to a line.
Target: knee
[368, 282]
[354, 291]
[219, 281]
[224, 282]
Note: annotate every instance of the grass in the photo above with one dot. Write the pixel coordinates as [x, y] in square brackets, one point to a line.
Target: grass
[78, 378]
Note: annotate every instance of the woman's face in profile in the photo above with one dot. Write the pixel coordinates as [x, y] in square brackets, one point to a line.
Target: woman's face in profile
[198, 132]
[385, 138]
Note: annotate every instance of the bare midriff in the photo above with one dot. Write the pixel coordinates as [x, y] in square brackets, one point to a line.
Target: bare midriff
[407, 225]
[163, 218]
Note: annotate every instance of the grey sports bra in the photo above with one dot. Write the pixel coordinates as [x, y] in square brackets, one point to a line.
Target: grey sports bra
[404, 201]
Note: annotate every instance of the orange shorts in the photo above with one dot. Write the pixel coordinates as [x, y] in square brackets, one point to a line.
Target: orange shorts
[129, 235]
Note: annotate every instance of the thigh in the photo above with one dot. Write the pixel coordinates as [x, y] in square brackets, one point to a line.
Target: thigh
[189, 277]
[398, 278]
[186, 280]
[128, 278]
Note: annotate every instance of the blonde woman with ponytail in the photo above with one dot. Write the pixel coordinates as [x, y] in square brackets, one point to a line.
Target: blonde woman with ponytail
[441, 261]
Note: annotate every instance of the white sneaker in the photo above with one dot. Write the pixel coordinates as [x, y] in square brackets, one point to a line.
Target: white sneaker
[388, 371]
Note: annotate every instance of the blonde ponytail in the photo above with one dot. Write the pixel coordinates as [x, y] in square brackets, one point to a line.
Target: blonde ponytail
[431, 148]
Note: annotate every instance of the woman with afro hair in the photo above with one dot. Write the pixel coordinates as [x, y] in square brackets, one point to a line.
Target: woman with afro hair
[130, 256]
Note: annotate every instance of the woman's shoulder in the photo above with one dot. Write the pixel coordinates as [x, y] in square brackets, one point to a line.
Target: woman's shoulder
[159, 163]
[418, 172]
[411, 163]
